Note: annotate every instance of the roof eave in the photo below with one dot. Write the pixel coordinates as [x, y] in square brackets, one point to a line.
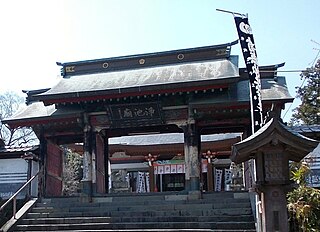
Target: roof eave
[299, 146]
[14, 123]
[136, 91]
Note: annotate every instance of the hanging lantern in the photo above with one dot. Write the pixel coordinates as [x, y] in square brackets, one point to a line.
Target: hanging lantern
[209, 155]
[150, 158]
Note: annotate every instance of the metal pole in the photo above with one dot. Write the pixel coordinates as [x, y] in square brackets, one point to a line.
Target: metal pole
[250, 58]
[160, 182]
[14, 207]
[231, 12]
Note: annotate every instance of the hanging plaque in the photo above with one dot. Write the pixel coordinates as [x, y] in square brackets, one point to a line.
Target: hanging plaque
[137, 114]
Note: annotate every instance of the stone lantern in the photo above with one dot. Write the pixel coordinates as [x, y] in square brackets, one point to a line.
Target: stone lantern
[272, 147]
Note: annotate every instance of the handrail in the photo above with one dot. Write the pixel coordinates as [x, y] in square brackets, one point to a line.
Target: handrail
[13, 197]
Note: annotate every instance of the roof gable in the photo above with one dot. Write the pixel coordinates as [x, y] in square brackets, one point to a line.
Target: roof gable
[273, 132]
[146, 60]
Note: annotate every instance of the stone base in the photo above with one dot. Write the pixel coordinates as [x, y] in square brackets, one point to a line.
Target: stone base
[275, 208]
[193, 184]
[194, 195]
[86, 191]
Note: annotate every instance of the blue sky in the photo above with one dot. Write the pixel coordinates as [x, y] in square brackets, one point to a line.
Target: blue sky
[35, 34]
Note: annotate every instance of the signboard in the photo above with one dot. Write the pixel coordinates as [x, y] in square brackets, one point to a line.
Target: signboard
[173, 166]
[168, 167]
[137, 114]
[313, 178]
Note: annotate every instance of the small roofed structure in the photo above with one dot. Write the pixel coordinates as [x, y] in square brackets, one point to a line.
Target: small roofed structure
[273, 133]
[272, 147]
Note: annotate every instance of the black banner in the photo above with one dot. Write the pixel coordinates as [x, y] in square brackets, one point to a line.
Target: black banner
[250, 57]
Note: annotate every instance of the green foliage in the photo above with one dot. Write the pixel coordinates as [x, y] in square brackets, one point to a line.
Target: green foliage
[303, 201]
[299, 172]
[72, 174]
[308, 111]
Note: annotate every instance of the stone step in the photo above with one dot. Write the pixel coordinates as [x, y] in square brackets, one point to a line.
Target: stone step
[33, 221]
[106, 201]
[144, 212]
[155, 203]
[137, 225]
[145, 198]
[115, 198]
[110, 208]
[220, 212]
[156, 230]
[70, 220]
[226, 194]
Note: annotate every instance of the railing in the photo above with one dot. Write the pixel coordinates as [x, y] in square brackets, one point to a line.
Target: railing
[14, 196]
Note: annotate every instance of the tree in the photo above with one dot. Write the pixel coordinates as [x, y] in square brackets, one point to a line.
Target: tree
[10, 102]
[72, 173]
[308, 112]
[303, 201]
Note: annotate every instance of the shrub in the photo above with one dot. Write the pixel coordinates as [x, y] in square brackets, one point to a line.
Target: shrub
[303, 202]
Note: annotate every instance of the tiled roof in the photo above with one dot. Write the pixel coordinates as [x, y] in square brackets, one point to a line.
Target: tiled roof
[38, 111]
[34, 110]
[271, 90]
[17, 152]
[200, 71]
[298, 144]
[173, 138]
[307, 129]
[137, 81]
[9, 149]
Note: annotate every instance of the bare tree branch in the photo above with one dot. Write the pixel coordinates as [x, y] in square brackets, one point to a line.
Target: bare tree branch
[9, 104]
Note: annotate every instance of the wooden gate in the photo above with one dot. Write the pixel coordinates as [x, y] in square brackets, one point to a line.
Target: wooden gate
[54, 167]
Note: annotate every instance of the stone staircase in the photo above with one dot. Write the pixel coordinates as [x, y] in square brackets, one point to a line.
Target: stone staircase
[224, 211]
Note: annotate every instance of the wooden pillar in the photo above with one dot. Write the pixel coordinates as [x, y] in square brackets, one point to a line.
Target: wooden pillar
[106, 163]
[210, 177]
[192, 160]
[98, 163]
[151, 178]
[42, 166]
[94, 154]
[86, 182]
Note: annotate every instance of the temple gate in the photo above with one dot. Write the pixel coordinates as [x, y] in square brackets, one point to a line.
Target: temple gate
[194, 92]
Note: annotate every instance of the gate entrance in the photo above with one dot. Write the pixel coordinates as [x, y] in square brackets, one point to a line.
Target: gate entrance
[192, 92]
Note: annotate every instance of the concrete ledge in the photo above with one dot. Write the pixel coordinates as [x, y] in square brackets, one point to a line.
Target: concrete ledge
[12, 221]
[194, 195]
[243, 195]
[176, 197]
[102, 199]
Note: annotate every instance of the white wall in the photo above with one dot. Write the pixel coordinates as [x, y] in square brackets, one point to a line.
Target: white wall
[13, 170]
[13, 174]
[34, 183]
